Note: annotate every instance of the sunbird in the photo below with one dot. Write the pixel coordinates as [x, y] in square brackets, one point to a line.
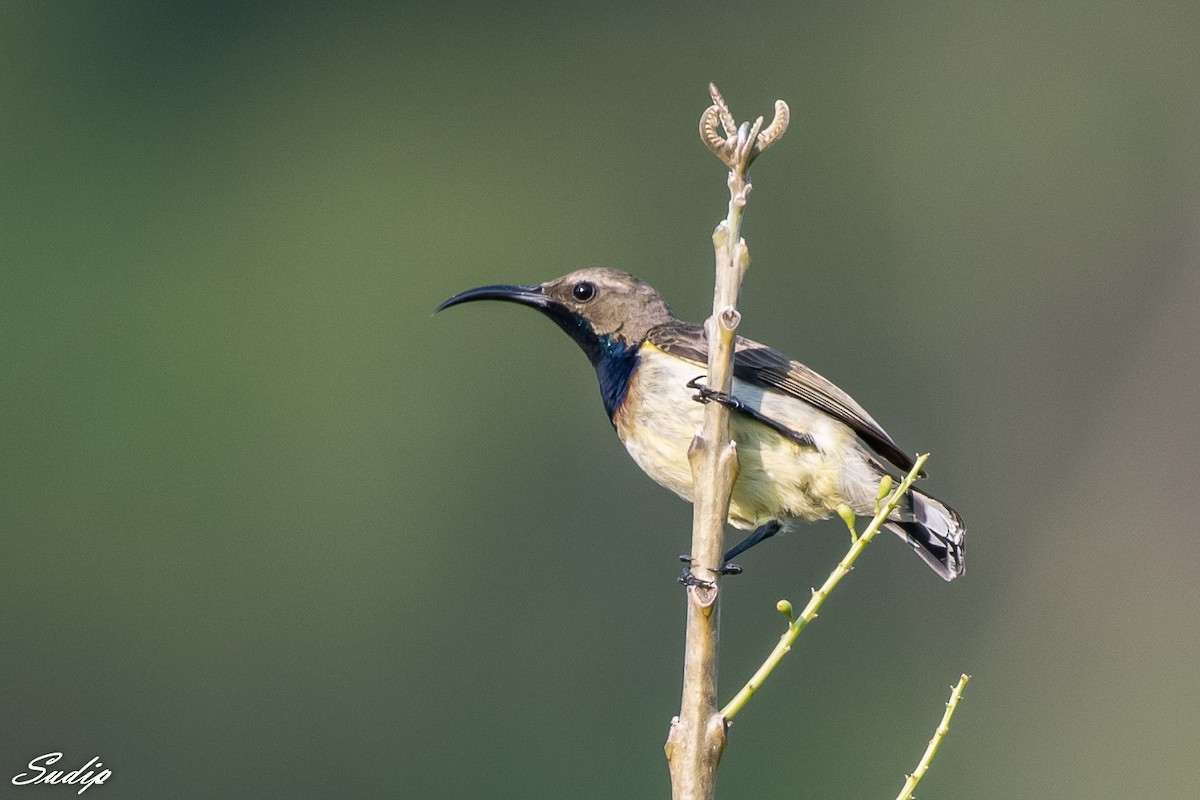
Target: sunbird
[804, 446]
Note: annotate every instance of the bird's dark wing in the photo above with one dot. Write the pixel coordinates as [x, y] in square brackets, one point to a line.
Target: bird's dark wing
[760, 365]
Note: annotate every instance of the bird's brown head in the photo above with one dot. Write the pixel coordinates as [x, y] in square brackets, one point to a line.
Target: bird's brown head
[600, 308]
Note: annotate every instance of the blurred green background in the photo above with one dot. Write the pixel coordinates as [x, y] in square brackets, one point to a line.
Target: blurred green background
[268, 528]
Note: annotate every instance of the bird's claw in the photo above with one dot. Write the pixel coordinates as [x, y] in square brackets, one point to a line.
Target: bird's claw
[726, 569]
[688, 579]
[705, 394]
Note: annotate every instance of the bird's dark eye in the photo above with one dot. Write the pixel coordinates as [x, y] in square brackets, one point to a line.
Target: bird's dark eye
[583, 291]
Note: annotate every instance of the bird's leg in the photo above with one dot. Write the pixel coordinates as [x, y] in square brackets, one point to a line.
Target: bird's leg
[706, 394]
[726, 569]
[760, 533]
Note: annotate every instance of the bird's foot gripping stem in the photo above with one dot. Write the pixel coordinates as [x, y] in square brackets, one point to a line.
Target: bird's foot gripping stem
[688, 579]
[760, 533]
[705, 395]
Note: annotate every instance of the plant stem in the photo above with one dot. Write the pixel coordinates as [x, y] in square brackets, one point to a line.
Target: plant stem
[911, 781]
[713, 457]
[818, 596]
[697, 736]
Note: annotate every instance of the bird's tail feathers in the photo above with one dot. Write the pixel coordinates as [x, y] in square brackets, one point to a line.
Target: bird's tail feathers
[935, 531]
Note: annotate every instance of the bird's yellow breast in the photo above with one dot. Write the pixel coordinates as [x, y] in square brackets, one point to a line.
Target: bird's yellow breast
[778, 478]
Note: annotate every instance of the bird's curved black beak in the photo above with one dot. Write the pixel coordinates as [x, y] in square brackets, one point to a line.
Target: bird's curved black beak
[525, 295]
[535, 297]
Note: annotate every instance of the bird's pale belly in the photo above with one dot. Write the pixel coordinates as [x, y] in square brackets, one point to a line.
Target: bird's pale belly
[778, 479]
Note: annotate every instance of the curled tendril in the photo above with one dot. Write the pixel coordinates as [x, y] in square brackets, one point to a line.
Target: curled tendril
[777, 127]
[740, 144]
[708, 130]
[727, 121]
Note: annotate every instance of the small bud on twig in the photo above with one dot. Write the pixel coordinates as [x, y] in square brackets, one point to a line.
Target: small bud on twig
[885, 486]
[847, 514]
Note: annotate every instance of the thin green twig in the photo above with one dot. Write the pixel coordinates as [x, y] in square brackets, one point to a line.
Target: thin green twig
[911, 781]
[809, 613]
